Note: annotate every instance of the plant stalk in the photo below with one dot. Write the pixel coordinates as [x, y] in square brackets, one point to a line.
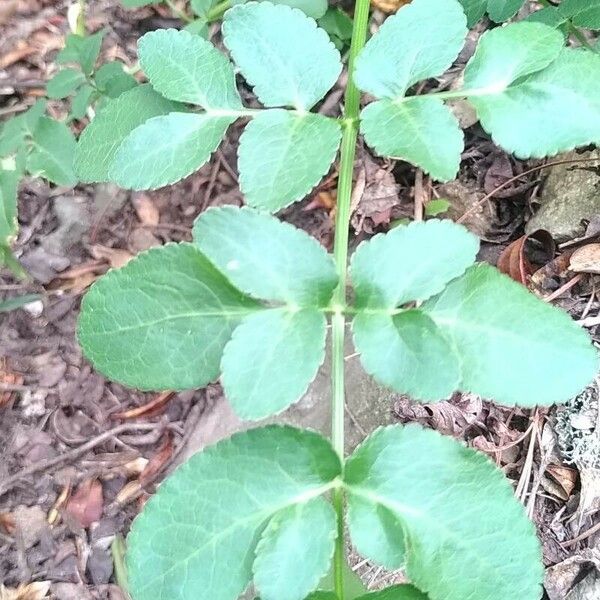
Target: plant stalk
[340, 252]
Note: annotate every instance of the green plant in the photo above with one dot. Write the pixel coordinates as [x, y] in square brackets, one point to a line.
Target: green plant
[251, 298]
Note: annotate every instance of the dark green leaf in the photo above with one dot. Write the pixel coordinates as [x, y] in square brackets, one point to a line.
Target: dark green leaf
[81, 101]
[81, 50]
[14, 131]
[112, 80]
[64, 83]
[396, 592]
[583, 13]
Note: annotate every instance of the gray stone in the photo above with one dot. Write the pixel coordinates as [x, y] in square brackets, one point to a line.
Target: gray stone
[368, 406]
[570, 195]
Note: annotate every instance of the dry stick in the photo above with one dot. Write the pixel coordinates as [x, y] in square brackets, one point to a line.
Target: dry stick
[586, 534]
[42, 465]
[564, 288]
[555, 163]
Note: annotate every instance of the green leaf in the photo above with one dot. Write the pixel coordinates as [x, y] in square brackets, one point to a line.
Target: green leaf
[271, 359]
[183, 66]
[423, 131]
[511, 346]
[502, 10]
[282, 156]
[166, 149]
[396, 592]
[410, 263]
[535, 116]
[198, 27]
[474, 10]
[583, 13]
[64, 83]
[505, 54]
[202, 7]
[137, 3]
[408, 353]
[337, 23]
[112, 80]
[466, 534]
[196, 537]
[10, 175]
[161, 321]
[549, 15]
[10, 304]
[281, 53]
[100, 140]
[420, 41]
[14, 131]
[81, 102]
[322, 596]
[81, 50]
[265, 257]
[295, 550]
[53, 152]
[353, 586]
[436, 207]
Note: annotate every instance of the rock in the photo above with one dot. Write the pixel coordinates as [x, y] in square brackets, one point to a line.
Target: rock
[570, 195]
[74, 220]
[368, 406]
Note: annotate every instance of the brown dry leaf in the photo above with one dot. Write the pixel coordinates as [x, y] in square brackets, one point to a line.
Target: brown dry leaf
[11, 379]
[550, 275]
[145, 209]
[116, 257]
[499, 172]
[586, 259]
[322, 200]
[87, 503]
[389, 6]
[32, 591]
[19, 52]
[7, 10]
[566, 477]
[151, 409]
[517, 259]
[54, 512]
[159, 460]
[7, 523]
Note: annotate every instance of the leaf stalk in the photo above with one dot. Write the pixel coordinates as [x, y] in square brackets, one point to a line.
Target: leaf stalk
[340, 251]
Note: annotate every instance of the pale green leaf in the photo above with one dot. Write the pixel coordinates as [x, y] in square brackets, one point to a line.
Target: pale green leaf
[166, 149]
[161, 321]
[410, 263]
[100, 140]
[583, 13]
[184, 67]
[467, 536]
[506, 54]
[422, 131]
[353, 585]
[112, 80]
[196, 537]
[265, 257]
[10, 304]
[81, 102]
[420, 41]
[436, 207]
[201, 7]
[408, 353]
[512, 347]
[16, 130]
[64, 83]
[82, 50]
[396, 592]
[282, 156]
[321, 596]
[198, 27]
[311, 8]
[9, 183]
[52, 152]
[295, 550]
[271, 359]
[137, 3]
[536, 117]
[281, 53]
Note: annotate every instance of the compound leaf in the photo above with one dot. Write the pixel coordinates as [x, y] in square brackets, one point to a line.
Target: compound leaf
[411, 46]
[100, 140]
[281, 52]
[282, 156]
[404, 351]
[271, 359]
[422, 131]
[534, 117]
[81, 50]
[583, 13]
[505, 54]
[65, 82]
[196, 538]
[453, 505]
[161, 321]
[166, 149]
[511, 346]
[266, 258]
[412, 262]
[184, 67]
[295, 550]
[53, 152]
[396, 592]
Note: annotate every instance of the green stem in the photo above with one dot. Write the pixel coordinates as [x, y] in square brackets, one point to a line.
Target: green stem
[217, 11]
[340, 251]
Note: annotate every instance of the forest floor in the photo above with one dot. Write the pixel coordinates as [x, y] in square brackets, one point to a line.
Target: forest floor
[79, 454]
